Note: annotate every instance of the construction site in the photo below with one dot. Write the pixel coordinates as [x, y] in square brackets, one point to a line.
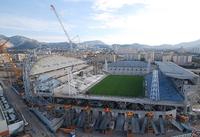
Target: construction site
[57, 89]
[57, 93]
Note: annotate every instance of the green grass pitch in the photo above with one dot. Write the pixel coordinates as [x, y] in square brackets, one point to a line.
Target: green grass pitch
[117, 85]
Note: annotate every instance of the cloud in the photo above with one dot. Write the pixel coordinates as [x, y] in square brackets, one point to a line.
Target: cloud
[112, 5]
[161, 21]
[14, 22]
[77, 0]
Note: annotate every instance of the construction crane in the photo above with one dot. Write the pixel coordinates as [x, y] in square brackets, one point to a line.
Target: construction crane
[2, 45]
[62, 26]
[17, 71]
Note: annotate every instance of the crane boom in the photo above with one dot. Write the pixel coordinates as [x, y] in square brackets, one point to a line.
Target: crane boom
[4, 43]
[62, 26]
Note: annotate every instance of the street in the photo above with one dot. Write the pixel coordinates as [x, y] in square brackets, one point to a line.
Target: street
[35, 127]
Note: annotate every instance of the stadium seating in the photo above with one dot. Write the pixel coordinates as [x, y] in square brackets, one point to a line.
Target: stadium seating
[168, 90]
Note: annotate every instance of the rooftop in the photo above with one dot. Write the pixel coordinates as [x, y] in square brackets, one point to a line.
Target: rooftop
[170, 69]
[53, 62]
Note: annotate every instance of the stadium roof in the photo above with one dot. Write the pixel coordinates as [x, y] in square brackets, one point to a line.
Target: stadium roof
[139, 64]
[172, 70]
[53, 62]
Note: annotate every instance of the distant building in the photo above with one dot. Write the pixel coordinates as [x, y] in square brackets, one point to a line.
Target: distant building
[100, 57]
[182, 59]
[158, 56]
[138, 56]
[196, 50]
[149, 56]
[166, 58]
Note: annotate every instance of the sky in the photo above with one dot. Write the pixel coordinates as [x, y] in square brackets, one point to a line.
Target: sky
[152, 22]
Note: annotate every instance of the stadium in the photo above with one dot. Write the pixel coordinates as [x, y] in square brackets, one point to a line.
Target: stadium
[66, 76]
[153, 93]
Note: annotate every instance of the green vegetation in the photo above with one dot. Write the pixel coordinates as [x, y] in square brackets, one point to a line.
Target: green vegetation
[117, 85]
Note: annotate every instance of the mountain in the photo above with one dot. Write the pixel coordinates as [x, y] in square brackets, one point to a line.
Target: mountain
[2, 37]
[23, 43]
[58, 45]
[134, 45]
[187, 45]
[95, 44]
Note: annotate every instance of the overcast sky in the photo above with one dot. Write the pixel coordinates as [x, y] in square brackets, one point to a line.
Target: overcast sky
[112, 21]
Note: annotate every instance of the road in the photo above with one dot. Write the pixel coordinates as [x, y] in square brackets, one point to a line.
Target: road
[35, 127]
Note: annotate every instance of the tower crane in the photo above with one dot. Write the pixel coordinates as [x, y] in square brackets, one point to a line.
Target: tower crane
[17, 71]
[62, 26]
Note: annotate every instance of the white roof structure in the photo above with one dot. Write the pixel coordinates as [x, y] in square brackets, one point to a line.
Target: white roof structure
[172, 70]
[53, 62]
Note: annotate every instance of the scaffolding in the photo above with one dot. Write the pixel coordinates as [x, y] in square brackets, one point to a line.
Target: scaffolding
[26, 80]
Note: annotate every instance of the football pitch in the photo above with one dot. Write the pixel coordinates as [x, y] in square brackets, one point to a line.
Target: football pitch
[117, 85]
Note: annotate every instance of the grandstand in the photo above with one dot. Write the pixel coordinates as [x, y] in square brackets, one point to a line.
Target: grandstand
[155, 90]
[175, 82]
[168, 92]
[128, 68]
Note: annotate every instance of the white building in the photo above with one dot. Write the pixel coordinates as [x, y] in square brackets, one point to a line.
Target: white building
[139, 55]
[166, 58]
[196, 50]
[182, 59]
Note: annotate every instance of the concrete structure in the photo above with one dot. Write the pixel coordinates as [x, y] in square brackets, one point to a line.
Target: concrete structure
[58, 74]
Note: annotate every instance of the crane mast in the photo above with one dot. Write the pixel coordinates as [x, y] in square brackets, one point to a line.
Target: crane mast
[17, 71]
[62, 26]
